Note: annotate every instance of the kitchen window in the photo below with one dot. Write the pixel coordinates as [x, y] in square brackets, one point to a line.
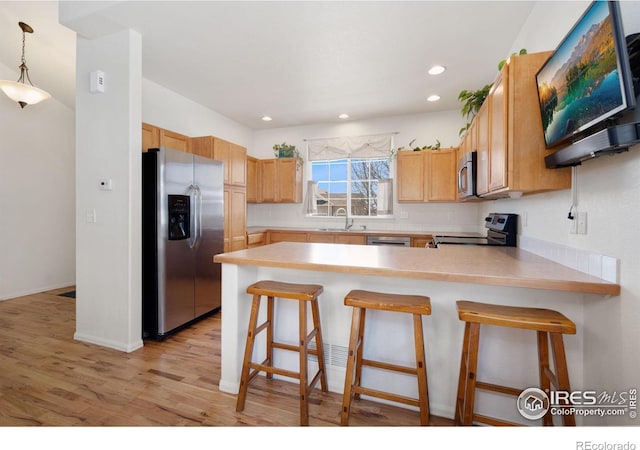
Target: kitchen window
[354, 187]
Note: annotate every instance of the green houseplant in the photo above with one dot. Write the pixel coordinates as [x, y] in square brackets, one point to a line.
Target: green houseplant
[285, 150]
[473, 100]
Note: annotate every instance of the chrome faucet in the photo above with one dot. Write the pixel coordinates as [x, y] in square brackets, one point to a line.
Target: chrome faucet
[347, 225]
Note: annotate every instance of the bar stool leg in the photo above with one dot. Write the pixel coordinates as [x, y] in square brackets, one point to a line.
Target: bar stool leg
[315, 312]
[351, 361]
[421, 370]
[543, 366]
[304, 382]
[270, 318]
[248, 352]
[462, 377]
[360, 351]
[472, 367]
[562, 373]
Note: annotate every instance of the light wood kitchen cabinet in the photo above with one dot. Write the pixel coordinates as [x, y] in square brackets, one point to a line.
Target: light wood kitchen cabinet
[233, 156]
[274, 236]
[257, 239]
[280, 181]
[150, 137]
[516, 148]
[481, 126]
[174, 140]
[235, 218]
[252, 179]
[349, 238]
[410, 176]
[421, 241]
[427, 176]
[338, 237]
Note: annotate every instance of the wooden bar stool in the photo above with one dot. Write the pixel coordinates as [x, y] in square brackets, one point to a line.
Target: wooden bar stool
[304, 293]
[550, 326]
[412, 304]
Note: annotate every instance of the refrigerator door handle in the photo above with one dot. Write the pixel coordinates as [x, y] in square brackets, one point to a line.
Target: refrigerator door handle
[198, 218]
[193, 194]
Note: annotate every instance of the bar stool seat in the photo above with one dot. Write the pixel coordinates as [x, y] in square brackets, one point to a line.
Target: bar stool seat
[304, 293]
[417, 306]
[550, 325]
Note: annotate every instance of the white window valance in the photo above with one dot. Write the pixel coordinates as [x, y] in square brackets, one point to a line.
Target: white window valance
[371, 146]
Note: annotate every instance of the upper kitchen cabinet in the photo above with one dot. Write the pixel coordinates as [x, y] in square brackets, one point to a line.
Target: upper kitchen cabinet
[279, 181]
[232, 155]
[427, 176]
[252, 179]
[150, 137]
[174, 140]
[513, 161]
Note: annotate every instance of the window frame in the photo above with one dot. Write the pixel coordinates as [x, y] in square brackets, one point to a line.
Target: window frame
[349, 181]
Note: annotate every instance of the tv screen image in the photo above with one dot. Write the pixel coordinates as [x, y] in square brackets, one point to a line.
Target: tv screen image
[581, 84]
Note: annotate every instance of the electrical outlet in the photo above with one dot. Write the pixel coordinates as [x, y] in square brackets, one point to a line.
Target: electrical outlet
[573, 225]
[90, 216]
[582, 222]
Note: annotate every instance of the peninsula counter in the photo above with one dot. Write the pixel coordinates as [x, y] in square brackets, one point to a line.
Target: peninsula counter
[487, 274]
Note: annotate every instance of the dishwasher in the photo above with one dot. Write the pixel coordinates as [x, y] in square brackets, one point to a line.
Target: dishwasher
[395, 241]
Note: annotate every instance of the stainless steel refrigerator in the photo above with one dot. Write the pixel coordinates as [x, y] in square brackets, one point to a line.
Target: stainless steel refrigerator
[182, 229]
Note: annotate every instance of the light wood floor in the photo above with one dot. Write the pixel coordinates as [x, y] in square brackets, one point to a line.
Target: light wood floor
[47, 378]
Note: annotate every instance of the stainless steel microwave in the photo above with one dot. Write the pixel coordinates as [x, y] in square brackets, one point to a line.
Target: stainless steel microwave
[467, 172]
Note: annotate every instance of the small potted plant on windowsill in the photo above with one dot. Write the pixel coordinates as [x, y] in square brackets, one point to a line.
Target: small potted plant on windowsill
[285, 150]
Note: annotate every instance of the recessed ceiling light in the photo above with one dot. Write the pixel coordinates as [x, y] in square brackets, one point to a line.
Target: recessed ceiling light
[343, 116]
[437, 70]
[433, 98]
[266, 119]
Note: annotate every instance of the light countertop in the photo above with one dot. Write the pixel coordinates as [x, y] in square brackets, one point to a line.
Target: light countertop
[489, 265]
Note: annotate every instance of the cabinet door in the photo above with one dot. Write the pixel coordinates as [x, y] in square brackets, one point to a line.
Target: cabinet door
[321, 237]
[252, 180]
[174, 140]
[202, 146]
[150, 137]
[238, 219]
[237, 165]
[286, 236]
[227, 220]
[221, 153]
[347, 238]
[441, 174]
[481, 124]
[497, 135]
[289, 181]
[267, 173]
[410, 176]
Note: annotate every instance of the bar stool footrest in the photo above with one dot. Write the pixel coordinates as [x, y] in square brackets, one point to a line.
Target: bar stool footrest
[385, 395]
[389, 366]
[498, 388]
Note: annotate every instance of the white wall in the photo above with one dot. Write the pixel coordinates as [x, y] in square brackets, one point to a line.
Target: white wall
[166, 109]
[425, 128]
[609, 191]
[108, 139]
[37, 196]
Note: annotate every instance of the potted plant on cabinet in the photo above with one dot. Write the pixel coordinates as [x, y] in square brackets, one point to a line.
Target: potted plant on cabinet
[285, 150]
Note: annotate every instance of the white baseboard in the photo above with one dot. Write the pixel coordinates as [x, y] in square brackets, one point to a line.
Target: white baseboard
[38, 290]
[121, 346]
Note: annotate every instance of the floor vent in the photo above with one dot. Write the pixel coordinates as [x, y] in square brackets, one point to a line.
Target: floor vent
[334, 355]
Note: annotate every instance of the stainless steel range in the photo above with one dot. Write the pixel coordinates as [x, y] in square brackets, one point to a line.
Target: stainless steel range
[502, 229]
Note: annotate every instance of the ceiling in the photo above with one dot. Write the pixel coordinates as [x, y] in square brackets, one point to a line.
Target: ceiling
[297, 62]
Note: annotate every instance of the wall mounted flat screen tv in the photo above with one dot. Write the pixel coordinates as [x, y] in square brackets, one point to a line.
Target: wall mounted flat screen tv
[586, 81]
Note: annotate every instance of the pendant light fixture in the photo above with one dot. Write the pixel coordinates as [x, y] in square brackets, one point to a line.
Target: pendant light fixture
[19, 91]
